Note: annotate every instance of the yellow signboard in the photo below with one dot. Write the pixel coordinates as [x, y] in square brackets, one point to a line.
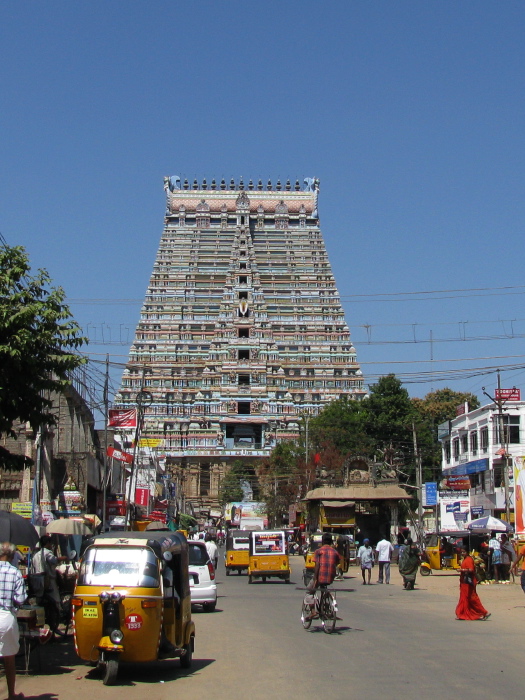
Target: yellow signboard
[149, 442]
[23, 509]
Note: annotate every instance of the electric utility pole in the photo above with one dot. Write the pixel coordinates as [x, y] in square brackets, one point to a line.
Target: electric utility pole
[419, 482]
[503, 442]
[105, 471]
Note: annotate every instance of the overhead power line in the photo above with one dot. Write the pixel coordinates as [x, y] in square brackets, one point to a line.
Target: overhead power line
[378, 296]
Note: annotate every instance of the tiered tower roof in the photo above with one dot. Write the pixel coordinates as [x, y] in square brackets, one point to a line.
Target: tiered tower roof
[242, 331]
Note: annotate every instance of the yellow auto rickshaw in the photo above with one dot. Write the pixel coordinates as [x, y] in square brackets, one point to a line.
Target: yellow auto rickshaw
[314, 542]
[237, 554]
[268, 557]
[441, 552]
[132, 600]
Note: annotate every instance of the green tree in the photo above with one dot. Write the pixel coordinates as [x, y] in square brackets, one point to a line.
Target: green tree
[342, 425]
[440, 406]
[390, 415]
[38, 343]
[230, 488]
[436, 408]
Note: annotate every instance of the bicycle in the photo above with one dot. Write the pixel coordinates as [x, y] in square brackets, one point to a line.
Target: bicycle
[325, 608]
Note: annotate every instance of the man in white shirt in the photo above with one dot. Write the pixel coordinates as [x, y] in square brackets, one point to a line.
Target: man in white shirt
[213, 551]
[384, 550]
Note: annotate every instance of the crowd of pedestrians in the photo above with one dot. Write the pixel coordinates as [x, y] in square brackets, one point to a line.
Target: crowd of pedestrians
[501, 560]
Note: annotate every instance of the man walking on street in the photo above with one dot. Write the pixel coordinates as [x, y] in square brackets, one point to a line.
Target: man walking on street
[365, 554]
[213, 551]
[384, 549]
[12, 595]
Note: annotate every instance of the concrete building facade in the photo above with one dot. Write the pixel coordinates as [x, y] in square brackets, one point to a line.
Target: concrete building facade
[70, 458]
[481, 449]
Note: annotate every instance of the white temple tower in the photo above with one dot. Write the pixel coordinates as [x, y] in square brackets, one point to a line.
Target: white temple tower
[242, 332]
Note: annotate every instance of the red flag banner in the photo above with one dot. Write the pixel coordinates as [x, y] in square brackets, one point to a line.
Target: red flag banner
[120, 456]
[122, 418]
[142, 497]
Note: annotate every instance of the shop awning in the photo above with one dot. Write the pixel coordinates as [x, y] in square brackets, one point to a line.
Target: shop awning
[381, 492]
[474, 467]
[338, 504]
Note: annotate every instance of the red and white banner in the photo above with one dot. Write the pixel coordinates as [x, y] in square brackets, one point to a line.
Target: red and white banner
[142, 497]
[122, 418]
[120, 456]
[508, 394]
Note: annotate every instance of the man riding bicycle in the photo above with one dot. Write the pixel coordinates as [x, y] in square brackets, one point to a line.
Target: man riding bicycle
[326, 560]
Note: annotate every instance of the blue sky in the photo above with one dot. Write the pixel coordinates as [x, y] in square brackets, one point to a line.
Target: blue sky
[410, 113]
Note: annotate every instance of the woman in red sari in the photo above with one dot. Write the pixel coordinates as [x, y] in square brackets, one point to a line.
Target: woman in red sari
[469, 606]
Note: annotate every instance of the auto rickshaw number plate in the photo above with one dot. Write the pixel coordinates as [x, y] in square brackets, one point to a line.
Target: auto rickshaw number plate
[89, 612]
[133, 622]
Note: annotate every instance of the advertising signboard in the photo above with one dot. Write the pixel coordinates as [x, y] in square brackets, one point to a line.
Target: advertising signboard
[122, 418]
[454, 510]
[268, 543]
[430, 494]
[242, 514]
[23, 509]
[457, 483]
[519, 495]
[508, 394]
[119, 456]
[142, 497]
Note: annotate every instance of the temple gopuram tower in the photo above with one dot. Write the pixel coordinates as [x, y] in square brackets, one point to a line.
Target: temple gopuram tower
[242, 332]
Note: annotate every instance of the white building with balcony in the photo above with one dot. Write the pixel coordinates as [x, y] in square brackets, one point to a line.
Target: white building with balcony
[478, 446]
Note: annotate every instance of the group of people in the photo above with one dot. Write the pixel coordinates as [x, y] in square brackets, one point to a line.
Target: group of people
[498, 555]
[469, 606]
[13, 594]
[367, 559]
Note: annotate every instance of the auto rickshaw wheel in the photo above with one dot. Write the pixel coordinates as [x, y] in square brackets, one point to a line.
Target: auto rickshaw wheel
[250, 578]
[110, 672]
[187, 659]
[227, 571]
[425, 571]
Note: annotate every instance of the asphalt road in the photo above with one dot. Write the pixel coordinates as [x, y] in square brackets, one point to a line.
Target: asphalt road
[402, 644]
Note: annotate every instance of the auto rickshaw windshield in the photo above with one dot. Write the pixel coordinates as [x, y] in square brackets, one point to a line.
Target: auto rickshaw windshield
[315, 543]
[119, 566]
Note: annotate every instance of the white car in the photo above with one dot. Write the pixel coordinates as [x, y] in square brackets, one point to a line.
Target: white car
[202, 577]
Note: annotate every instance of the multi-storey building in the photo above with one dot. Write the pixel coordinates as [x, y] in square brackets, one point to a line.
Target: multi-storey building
[242, 332]
[70, 454]
[483, 449]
